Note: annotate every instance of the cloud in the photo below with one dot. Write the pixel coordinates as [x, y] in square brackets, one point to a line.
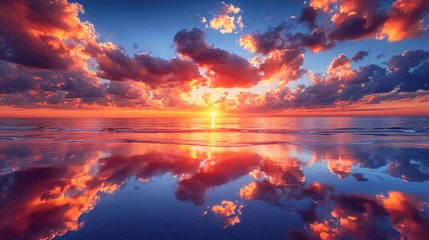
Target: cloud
[239, 22]
[380, 56]
[206, 98]
[405, 20]
[354, 20]
[225, 20]
[403, 78]
[357, 20]
[279, 38]
[114, 64]
[308, 16]
[135, 46]
[265, 42]
[283, 65]
[224, 69]
[322, 4]
[339, 63]
[224, 23]
[49, 58]
[359, 56]
[349, 20]
[44, 36]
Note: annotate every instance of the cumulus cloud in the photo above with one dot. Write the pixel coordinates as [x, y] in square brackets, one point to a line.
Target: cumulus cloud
[403, 79]
[308, 16]
[224, 69]
[50, 58]
[283, 65]
[45, 36]
[114, 64]
[405, 20]
[349, 20]
[225, 20]
[362, 19]
[279, 38]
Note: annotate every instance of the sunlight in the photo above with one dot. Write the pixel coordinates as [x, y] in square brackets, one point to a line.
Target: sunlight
[213, 119]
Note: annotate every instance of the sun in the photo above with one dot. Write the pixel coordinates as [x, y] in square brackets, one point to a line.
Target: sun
[213, 114]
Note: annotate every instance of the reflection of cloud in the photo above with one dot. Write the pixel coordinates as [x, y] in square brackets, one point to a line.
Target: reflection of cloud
[229, 166]
[407, 163]
[38, 200]
[408, 170]
[44, 202]
[359, 177]
[361, 216]
[229, 212]
[225, 167]
[274, 194]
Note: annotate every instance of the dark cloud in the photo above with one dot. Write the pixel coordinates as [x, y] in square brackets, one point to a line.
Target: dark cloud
[407, 74]
[279, 38]
[350, 20]
[44, 36]
[359, 56]
[380, 56]
[114, 64]
[357, 26]
[308, 16]
[224, 69]
[265, 42]
[76, 84]
[294, 234]
[316, 41]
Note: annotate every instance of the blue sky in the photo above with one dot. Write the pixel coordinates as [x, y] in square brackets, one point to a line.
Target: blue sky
[152, 25]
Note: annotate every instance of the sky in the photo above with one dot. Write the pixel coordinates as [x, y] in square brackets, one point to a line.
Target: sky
[128, 58]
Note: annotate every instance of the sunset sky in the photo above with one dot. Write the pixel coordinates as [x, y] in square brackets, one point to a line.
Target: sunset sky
[108, 58]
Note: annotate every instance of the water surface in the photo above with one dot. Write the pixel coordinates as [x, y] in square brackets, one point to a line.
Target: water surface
[248, 178]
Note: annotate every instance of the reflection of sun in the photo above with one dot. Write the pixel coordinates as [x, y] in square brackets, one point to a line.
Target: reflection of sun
[213, 119]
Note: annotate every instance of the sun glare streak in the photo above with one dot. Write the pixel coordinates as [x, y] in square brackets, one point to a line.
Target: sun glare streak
[213, 120]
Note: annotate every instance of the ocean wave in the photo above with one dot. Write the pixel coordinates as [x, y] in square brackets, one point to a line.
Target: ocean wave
[217, 144]
[226, 130]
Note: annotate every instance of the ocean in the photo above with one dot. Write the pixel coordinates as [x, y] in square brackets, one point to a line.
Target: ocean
[215, 178]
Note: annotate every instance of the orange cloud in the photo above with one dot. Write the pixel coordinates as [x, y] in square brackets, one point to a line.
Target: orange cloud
[405, 20]
[45, 36]
[223, 22]
[248, 43]
[325, 5]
